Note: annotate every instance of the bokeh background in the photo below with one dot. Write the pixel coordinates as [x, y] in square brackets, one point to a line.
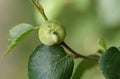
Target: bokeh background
[86, 21]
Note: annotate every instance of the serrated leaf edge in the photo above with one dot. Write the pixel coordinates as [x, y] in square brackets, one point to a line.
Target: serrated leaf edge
[19, 38]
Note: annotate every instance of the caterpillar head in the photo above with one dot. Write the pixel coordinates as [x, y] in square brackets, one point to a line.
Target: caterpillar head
[51, 33]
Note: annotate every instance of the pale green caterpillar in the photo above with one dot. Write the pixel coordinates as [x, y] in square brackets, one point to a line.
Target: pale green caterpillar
[51, 33]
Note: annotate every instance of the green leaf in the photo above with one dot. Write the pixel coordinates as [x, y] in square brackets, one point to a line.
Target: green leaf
[50, 63]
[100, 51]
[109, 63]
[102, 44]
[16, 34]
[83, 66]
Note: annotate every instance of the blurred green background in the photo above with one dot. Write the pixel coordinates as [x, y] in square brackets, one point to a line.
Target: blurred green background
[86, 21]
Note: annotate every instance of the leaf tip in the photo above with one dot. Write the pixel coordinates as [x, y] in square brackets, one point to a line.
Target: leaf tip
[102, 44]
[6, 53]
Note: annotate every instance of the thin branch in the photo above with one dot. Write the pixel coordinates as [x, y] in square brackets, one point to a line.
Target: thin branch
[40, 8]
[77, 55]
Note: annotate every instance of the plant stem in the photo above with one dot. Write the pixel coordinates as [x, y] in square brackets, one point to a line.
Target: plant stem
[77, 55]
[40, 8]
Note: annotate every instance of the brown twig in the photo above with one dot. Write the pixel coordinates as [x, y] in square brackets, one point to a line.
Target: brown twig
[77, 55]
